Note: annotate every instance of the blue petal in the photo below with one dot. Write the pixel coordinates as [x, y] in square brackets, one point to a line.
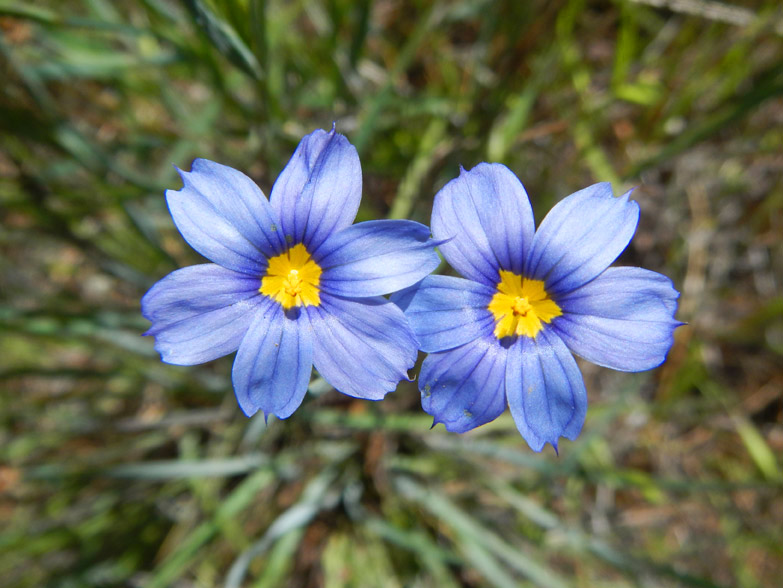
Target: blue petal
[200, 313]
[319, 190]
[225, 217]
[464, 388]
[545, 391]
[486, 214]
[274, 362]
[580, 237]
[376, 257]
[624, 319]
[362, 347]
[446, 312]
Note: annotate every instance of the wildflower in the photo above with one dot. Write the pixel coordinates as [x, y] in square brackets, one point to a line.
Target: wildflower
[505, 334]
[293, 284]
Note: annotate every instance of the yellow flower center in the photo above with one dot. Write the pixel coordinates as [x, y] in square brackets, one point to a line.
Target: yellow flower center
[292, 278]
[520, 306]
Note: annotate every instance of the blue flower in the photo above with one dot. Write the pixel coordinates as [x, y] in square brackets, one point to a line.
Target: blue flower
[506, 333]
[293, 284]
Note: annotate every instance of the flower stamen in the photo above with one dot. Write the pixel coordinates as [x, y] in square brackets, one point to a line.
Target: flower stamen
[292, 278]
[521, 306]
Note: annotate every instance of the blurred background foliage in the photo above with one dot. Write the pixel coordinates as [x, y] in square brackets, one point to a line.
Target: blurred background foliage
[118, 470]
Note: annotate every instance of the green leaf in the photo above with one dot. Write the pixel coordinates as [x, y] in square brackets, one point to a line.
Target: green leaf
[225, 38]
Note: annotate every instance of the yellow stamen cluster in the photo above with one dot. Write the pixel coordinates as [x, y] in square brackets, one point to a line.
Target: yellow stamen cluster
[292, 278]
[520, 306]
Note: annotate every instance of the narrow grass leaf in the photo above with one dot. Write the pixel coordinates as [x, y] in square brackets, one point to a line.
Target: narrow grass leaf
[225, 38]
[177, 469]
[314, 497]
[468, 527]
[239, 499]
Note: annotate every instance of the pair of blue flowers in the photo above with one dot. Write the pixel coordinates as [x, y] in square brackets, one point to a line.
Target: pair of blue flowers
[295, 285]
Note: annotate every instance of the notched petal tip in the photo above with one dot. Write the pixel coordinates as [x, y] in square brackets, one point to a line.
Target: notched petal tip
[545, 391]
[540, 444]
[363, 348]
[280, 417]
[623, 319]
[199, 313]
[200, 163]
[463, 388]
[196, 167]
[627, 195]
[606, 187]
[251, 409]
[248, 409]
[433, 242]
[581, 236]
[273, 365]
[225, 216]
[318, 192]
[487, 213]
